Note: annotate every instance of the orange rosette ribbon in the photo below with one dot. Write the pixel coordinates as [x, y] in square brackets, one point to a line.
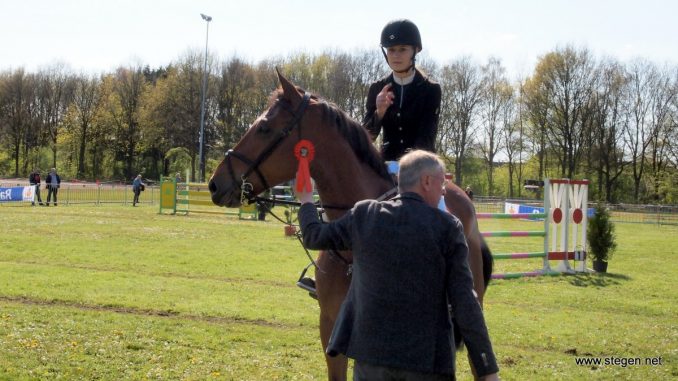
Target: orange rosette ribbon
[304, 151]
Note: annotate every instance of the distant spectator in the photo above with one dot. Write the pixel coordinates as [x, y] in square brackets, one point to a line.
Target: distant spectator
[469, 192]
[138, 186]
[34, 179]
[178, 177]
[53, 183]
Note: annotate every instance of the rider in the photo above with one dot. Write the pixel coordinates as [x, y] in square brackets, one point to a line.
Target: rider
[405, 104]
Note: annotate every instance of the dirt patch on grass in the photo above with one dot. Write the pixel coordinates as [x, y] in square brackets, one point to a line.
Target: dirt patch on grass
[143, 312]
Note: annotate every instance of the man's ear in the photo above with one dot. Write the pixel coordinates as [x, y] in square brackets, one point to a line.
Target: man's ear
[425, 182]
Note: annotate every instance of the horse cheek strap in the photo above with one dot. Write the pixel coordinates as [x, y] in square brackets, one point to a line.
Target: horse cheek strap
[304, 151]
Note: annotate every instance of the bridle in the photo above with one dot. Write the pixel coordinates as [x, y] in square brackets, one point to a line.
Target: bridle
[247, 195]
[246, 187]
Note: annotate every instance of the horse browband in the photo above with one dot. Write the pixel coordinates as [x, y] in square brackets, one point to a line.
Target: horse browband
[246, 188]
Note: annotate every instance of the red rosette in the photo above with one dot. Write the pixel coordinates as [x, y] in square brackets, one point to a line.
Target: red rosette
[304, 151]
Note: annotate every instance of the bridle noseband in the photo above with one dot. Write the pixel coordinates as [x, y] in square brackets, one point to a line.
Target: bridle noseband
[246, 187]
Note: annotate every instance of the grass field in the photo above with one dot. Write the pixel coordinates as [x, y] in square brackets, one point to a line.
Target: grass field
[115, 292]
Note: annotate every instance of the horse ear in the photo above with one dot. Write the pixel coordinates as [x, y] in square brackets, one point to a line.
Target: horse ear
[290, 91]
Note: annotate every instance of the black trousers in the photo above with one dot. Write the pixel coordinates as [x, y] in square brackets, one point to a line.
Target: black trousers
[137, 192]
[368, 372]
[52, 191]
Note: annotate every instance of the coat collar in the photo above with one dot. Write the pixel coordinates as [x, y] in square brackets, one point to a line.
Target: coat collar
[410, 196]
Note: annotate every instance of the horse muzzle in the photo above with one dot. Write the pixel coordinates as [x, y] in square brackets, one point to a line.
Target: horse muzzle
[228, 196]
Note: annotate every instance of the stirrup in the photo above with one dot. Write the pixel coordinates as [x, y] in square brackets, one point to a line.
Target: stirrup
[307, 283]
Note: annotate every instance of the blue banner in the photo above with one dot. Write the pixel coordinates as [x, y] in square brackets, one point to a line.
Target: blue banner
[17, 194]
[519, 208]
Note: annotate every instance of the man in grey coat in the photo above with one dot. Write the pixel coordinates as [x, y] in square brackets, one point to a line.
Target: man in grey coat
[409, 262]
[53, 183]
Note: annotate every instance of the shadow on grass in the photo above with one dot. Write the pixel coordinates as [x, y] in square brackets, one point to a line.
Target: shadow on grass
[597, 280]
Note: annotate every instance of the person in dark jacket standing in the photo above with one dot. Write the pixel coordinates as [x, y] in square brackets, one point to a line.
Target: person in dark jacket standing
[53, 182]
[34, 179]
[405, 104]
[137, 187]
[409, 262]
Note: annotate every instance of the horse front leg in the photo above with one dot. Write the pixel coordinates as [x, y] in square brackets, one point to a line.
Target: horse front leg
[332, 284]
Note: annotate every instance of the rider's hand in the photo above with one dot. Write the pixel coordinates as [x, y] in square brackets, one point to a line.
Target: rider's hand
[384, 100]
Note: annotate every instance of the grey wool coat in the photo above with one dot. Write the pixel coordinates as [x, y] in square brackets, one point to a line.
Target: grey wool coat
[409, 262]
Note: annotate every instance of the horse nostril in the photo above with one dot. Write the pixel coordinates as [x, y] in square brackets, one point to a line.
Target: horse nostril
[212, 187]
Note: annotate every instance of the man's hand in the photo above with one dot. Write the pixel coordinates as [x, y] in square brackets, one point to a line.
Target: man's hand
[304, 196]
[384, 100]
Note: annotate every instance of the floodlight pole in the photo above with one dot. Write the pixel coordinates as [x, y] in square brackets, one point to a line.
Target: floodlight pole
[202, 103]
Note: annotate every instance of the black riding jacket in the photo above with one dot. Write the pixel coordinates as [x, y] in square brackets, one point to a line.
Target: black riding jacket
[411, 122]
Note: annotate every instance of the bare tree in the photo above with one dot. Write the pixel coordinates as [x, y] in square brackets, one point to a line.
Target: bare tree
[239, 101]
[462, 89]
[514, 139]
[55, 93]
[673, 125]
[661, 124]
[350, 80]
[567, 77]
[124, 109]
[673, 137]
[607, 127]
[495, 108]
[538, 109]
[86, 99]
[643, 77]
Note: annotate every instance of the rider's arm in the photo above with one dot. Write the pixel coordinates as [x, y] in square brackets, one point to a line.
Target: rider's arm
[372, 122]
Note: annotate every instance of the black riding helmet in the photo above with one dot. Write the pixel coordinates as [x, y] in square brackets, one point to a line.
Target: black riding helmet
[401, 32]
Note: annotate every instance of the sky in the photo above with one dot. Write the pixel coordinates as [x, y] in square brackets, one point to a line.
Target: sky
[98, 36]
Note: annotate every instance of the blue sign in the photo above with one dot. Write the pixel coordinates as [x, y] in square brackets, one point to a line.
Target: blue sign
[17, 194]
[520, 208]
[529, 209]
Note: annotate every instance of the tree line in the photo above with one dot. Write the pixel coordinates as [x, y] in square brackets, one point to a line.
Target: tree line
[574, 116]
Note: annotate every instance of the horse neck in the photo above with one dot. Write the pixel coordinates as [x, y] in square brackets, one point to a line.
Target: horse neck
[343, 180]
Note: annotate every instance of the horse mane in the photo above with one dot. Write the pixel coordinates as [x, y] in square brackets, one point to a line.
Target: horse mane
[354, 133]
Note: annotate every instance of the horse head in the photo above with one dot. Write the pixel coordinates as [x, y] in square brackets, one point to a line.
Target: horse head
[265, 154]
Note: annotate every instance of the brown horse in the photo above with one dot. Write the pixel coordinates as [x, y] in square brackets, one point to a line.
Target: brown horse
[347, 168]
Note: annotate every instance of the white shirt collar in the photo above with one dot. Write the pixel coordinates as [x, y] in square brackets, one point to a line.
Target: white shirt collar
[404, 81]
